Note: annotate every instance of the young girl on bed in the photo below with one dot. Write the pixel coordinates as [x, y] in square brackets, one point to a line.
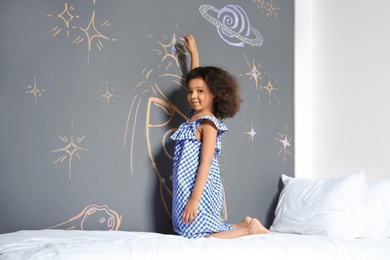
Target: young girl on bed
[213, 94]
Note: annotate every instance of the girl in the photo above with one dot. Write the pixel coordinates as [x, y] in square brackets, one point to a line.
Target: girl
[197, 189]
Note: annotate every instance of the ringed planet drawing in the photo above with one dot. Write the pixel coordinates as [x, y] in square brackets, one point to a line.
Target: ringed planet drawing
[233, 25]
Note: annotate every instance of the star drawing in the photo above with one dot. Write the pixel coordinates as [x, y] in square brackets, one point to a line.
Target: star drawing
[71, 149]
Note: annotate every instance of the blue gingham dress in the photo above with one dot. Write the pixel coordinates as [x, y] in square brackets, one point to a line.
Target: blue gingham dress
[185, 165]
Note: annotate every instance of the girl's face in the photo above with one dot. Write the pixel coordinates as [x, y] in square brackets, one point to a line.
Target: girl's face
[199, 96]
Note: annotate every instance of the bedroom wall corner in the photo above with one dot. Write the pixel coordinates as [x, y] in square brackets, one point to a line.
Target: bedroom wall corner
[303, 89]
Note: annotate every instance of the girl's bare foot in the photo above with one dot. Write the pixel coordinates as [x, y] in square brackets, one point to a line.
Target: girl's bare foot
[255, 227]
[243, 224]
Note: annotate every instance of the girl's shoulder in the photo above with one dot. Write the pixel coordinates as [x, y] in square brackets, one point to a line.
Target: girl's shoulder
[219, 125]
[196, 122]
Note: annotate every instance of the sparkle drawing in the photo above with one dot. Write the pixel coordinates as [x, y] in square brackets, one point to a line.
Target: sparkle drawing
[268, 7]
[170, 49]
[257, 76]
[92, 33]
[32, 89]
[251, 133]
[254, 74]
[69, 150]
[66, 17]
[270, 88]
[108, 96]
[233, 25]
[285, 145]
[91, 217]
[89, 33]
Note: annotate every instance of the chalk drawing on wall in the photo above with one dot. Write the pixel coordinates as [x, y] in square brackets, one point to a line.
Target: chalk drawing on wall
[150, 87]
[66, 20]
[270, 90]
[108, 96]
[33, 89]
[251, 133]
[285, 145]
[155, 130]
[70, 150]
[254, 73]
[262, 85]
[66, 17]
[233, 25]
[160, 112]
[151, 91]
[92, 33]
[158, 131]
[268, 8]
[92, 217]
[170, 49]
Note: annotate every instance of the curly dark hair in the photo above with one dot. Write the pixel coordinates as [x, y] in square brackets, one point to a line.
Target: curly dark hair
[223, 85]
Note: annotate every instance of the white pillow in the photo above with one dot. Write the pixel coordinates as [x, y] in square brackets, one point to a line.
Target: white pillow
[378, 224]
[334, 207]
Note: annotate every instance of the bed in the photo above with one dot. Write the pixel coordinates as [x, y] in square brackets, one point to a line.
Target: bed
[60, 244]
[335, 218]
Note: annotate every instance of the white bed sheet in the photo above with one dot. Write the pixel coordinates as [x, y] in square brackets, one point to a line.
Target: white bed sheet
[61, 244]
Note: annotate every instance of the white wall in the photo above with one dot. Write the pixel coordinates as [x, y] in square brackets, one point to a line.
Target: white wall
[349, 105]
[303, 69]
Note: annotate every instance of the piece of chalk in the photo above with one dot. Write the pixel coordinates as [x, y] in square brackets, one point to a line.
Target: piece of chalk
[183, 39]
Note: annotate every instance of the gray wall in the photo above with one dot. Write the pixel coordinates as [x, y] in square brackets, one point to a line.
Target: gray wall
[90, 92]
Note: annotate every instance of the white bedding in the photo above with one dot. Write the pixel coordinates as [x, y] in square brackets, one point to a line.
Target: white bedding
[61, 244]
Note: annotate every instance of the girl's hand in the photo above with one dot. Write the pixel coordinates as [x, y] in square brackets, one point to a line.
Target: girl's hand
[189, 42]
[189, 214]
